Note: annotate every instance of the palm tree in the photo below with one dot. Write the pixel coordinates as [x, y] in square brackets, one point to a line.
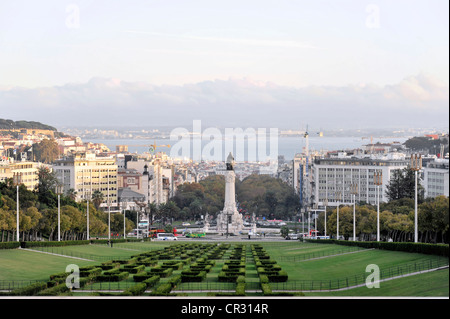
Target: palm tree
[72, 194]
[97, 198]
[153, 210]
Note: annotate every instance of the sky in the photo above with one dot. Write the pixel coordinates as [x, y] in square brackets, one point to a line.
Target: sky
[237, 63]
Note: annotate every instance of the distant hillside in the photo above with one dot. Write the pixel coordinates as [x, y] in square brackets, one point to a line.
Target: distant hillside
[15, 125]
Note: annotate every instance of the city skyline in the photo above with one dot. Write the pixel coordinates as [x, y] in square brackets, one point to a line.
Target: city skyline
[271, 64]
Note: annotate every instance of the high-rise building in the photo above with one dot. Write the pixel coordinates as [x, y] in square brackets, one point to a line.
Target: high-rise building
[338, 179]
[157, 178]
[87, 173]
[21, 172]
[436, 178]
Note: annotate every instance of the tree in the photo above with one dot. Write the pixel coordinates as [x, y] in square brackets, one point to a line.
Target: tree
[433, 218]
[47, 151]
[47, 187]
[284, 231]
[72, 194]
[97, 198]
[402, 185]
[34, 221]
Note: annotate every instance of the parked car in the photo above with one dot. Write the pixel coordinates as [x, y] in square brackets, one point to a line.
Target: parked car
[185, 224]
[293, 236]
[165, 236]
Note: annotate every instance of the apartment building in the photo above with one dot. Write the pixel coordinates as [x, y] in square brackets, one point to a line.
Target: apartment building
[338, 179]
[21, 172]
[435, 178]
[87, 173]
[157, 178]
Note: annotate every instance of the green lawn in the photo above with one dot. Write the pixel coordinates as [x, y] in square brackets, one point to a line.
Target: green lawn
[433, 284]
[342, 266]
[17, 264]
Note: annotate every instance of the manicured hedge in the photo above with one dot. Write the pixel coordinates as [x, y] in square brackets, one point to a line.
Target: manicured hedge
[192, 276]
[162, 290]
[133, 269]
[10, 245]
[175, 280]
[54, 291]
[152, 281]
[29, 290]
[109, 265]
[113, 276]
[163, 273]
[90, 272]
[136, 290]
[30, 244]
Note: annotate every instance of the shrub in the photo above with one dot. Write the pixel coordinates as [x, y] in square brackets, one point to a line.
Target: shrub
[162, 290]
[59, 277]
[282, 276]
[54, 291]
[133, 269]
[175, 265]
[263, 279]
[90, 272]
[109, 265]
[240, 289]
[116, 276]
[29, 290]
[136, 290]
[240, 280]
[266, 289]
[175, 280]
[163, 273]
[10, 245]
[192, 276]
[152, 281]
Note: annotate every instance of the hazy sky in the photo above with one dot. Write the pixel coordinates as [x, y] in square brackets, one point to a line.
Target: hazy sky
[198, 57]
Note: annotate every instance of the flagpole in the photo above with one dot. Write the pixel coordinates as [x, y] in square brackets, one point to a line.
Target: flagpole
[17, 217]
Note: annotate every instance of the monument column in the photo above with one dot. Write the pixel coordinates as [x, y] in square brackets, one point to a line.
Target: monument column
[229, 208]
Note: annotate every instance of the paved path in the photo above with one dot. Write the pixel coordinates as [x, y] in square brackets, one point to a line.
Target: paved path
[44, 252]
[327, 256]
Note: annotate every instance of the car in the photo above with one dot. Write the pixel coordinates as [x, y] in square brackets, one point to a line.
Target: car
[185, 224]
[293, 236]
[165, 236]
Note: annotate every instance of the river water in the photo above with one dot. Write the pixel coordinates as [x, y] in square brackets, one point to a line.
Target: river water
[288, 146]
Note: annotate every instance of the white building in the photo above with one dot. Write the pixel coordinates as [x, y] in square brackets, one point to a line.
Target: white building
[436, 178]
[159, 188]
[88, 173]
[338, 179]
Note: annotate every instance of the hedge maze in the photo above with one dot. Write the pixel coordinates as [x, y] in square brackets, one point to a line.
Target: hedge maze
[165, 271]
[215, 269]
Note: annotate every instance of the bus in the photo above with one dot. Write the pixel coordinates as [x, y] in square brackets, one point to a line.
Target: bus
[314, 234]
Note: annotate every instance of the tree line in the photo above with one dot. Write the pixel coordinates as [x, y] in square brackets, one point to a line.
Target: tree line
[262, 195]
[396, 221]
[38, 213]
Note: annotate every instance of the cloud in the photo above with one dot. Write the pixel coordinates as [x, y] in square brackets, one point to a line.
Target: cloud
[241, 41]
[416, 101]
